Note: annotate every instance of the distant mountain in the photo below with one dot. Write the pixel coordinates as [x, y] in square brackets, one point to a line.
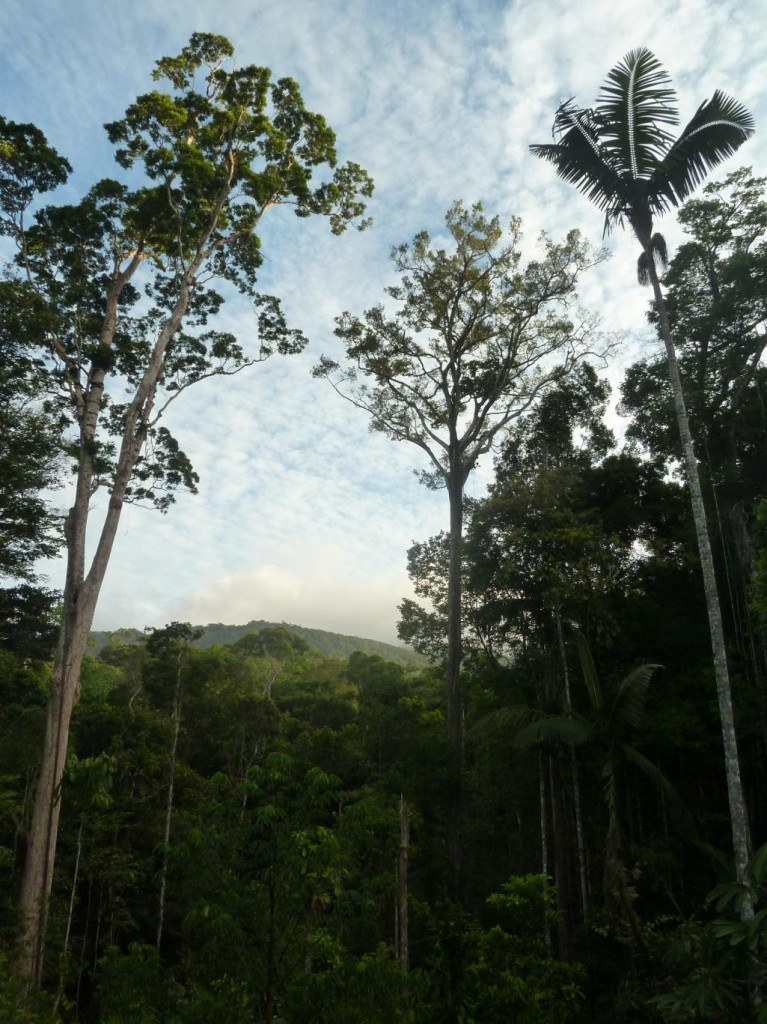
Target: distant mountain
[335, 645]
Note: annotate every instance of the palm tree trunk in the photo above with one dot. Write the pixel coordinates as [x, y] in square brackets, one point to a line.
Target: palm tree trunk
[741, 840]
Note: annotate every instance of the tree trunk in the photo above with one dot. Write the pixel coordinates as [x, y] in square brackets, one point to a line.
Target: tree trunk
[544, 843]
[561, 857]
[403, 942]
[575, 778]
[79, 605]
[738, 816]
[70, 915]
[453, 686]
[169, 803]
[270, 987]
[43, 831]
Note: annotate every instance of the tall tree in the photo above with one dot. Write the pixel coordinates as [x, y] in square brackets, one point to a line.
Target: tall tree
[477, 340]
[31, 461]
[114, 294]
[30, 464]
[716, 297]
[621, 155]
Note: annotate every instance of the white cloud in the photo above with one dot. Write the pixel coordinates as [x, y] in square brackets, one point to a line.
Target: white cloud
[302, 513]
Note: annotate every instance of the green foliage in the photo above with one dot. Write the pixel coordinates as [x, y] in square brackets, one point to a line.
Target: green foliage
[719, 968]
[30, 446]
[478, 311]
[100, 284]
[19, 1004]
[714, 294]
[28, 621]
[331, 644]
[274, 642]
[134, 988]
[514, 976]
[758, 592]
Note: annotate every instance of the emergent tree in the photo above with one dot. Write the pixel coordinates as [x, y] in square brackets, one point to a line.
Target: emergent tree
[621, 155]
[113, 295]
[478, 338]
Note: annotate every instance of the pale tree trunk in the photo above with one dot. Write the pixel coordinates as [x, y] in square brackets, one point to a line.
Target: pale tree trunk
[169, 802]
[79, 605]
[43, 830]
[453, 686]
[738, 816]
[581, 846]
[70, 915]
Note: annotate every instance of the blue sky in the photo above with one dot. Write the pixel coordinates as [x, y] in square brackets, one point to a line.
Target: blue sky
[303, 515]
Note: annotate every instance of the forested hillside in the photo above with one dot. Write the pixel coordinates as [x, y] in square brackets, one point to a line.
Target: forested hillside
[335, 644]
[553, 814]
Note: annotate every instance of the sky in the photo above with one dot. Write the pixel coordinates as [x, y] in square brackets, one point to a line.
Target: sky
[303, 515]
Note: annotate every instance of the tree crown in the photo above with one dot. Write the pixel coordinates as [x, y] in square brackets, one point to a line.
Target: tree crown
[477, 338]
[620, 153]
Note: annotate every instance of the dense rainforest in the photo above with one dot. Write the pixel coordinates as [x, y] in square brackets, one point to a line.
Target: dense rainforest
[534, 822]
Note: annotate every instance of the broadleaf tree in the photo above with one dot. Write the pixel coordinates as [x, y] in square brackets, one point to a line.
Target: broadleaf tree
[30, 526]
[113, 295]
[477, 338]
[621, 155]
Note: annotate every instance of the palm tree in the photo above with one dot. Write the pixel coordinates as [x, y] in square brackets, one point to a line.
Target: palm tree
[621, 155]
[615, 713]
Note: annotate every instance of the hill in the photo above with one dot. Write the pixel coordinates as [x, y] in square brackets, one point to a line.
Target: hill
[336, 645]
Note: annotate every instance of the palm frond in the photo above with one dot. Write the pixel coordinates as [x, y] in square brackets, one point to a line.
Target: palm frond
[720, 126]
[635, 100]
[758, 866]
[681, 816]
[590, 677]
[720, 860]
[631, 695]
[508, 719]
[553, 729]
[579, 157]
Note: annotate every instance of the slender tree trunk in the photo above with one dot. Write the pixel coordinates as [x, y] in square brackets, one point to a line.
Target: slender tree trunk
[403, 942]
[453, 685]
[169, 803]
[544, 843]
[542, 798]
[581, 846]
[270, 993]
[70, 914]
[561, 859]
[83, 945]
[738, 816]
